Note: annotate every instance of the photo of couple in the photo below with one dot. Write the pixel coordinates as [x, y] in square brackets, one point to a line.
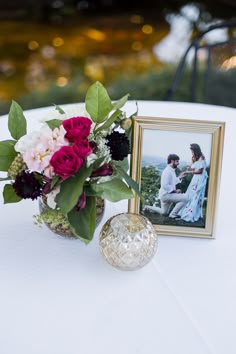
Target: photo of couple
[175, 189]
[174, 203]
[177, 165]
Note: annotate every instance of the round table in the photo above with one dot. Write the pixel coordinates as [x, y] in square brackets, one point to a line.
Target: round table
[60, 296]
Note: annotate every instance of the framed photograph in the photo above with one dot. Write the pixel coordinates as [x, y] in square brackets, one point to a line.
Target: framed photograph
[177, 164]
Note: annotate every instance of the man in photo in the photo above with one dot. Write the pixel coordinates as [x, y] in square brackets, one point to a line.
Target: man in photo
[168, 194]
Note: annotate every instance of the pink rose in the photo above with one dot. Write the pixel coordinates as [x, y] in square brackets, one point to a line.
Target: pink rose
[66, 162]
[82, 148]
[104, 170]
[77, 128]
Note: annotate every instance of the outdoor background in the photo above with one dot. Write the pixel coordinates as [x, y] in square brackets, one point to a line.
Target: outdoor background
[52, 50]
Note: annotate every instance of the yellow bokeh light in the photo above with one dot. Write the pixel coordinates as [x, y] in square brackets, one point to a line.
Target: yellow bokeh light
[137, 19]
[62, 81]
[137, 45]
[57, 41]
[32, 45]
[147, 29]
[229, 63]
[96, 35]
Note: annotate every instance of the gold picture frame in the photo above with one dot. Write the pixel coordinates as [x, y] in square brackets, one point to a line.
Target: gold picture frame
[153, 140]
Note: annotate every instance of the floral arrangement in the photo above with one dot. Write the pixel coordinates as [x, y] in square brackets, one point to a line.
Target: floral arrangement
[71, 161]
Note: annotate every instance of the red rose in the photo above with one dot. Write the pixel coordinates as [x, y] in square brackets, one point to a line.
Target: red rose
[104, 170]
[77, 128]
[65, 162]
[82, 148]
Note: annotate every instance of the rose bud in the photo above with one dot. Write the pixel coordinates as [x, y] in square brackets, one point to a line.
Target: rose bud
[126, 123]
[81, 202]
[104, 170]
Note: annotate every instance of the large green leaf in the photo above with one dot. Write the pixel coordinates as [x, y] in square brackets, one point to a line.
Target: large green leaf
[83, 223]
[97, 163]
[113, 190]
[109, 121]
[133, 184]
[7, 154]
[9, 194]
[124, 164]
[16, 121]
[71, 189]
[120, 103]
[54, 123]
[97, 102]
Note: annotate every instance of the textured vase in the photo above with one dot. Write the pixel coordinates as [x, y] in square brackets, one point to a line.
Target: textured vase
[58, 223]
[128, 241]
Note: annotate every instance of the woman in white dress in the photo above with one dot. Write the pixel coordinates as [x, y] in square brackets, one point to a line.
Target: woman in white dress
[192, 211]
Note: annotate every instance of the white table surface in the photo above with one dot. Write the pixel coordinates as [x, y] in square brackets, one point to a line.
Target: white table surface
[59, 296]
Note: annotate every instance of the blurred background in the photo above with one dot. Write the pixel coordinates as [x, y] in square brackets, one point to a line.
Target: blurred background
[52, 50]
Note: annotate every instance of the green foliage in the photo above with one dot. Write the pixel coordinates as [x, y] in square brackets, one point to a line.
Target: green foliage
[98, 103]
[54, 123]
[150, 184]
[79, 220]
[113, 190]
[7, 154]
[9, 195]
[129, 180]
[72, 188]
[16, 121]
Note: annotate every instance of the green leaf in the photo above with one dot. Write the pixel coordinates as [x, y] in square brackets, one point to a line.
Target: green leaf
[54, 123]
[9, 195]
[83, 223]
[132, 183]
[120, 103]
[59, 109]
[7, 154]
[109, 121]
[54, 181]
[72, 188]
[97, 163]
[16, 121]
[124, 164]
[113, 190]
[97, 102]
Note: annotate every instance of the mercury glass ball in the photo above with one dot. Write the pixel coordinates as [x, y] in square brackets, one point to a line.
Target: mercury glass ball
[128, 241]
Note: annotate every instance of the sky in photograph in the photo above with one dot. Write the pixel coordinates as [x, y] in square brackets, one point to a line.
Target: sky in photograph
[161, 143]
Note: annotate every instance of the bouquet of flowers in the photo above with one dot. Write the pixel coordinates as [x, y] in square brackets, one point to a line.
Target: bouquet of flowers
[71, 161]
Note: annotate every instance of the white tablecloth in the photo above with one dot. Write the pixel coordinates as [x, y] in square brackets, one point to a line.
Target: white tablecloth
[59, 296]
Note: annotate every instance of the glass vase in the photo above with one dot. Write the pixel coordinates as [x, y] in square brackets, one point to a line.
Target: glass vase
[58, 223]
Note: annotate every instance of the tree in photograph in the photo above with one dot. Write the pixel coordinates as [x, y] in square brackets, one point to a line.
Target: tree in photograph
[150, 184]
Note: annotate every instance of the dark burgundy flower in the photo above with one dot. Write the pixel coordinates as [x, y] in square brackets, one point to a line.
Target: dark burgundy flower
[119, 145]
[77, 128]
[28, 185]
[81, 202]
[104, 170]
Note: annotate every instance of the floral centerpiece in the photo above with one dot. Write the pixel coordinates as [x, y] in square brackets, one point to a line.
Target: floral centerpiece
[72, 160]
